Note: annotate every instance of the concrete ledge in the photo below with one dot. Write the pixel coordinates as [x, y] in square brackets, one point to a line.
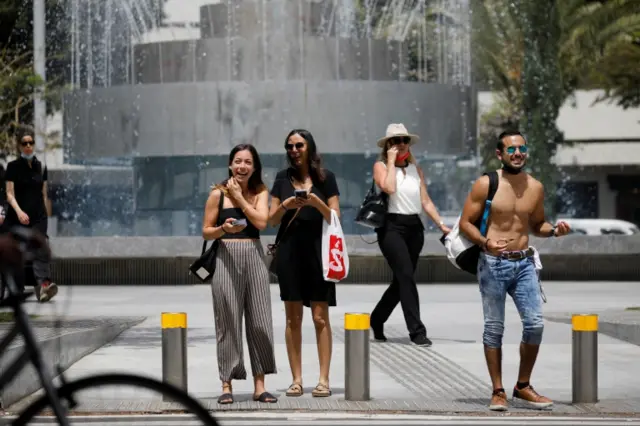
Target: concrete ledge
[619, 324]
[76, 338]
[357, 245]
[363, 270]
[165, 260]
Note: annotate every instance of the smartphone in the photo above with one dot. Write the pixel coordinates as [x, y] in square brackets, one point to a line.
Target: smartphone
[300, 193]
[238, 222]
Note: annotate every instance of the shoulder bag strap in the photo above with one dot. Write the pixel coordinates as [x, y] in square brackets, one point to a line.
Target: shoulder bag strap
[204, 243]
[279, 237]
[493, 188]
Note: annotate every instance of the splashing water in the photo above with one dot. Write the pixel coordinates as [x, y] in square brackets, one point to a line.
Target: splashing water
[105, 32]
[154, 80]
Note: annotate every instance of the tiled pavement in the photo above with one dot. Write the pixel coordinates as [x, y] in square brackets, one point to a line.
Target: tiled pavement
[450, 377]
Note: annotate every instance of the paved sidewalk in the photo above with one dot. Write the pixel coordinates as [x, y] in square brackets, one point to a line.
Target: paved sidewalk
[450, 377]
[63, 341]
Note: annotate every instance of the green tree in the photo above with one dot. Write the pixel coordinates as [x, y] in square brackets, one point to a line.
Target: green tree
[618, 73]
[497, 40]
[536, 54]
[17, 78]
[543, 91]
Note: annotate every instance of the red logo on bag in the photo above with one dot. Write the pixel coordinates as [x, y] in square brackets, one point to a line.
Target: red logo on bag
[337, 268]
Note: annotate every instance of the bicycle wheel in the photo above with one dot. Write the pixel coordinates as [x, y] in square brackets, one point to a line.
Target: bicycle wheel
[70, 388]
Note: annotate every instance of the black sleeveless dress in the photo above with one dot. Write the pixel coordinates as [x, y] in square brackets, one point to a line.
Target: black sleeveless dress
[299, 261]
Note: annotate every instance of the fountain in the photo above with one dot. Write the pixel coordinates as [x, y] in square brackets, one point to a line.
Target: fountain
[172, 99]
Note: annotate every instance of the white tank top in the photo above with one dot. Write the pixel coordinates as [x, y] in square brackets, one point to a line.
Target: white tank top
[406, 199]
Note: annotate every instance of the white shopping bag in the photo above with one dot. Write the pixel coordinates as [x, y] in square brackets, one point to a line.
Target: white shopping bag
[335, 260]
[538, 265]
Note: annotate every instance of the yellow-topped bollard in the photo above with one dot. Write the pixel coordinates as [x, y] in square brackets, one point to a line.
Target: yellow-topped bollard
[585, 358]
[174, 349]
[356, 365]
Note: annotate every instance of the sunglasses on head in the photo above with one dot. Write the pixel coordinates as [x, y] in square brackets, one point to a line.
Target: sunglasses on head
[512, 149]
[27, 143]
[298, 146]
[398, 141]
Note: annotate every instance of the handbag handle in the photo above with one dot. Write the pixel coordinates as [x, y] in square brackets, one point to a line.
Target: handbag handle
[279, 237]
[204, 242]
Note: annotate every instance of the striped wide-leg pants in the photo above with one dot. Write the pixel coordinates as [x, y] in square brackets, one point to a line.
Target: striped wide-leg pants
[240, 286]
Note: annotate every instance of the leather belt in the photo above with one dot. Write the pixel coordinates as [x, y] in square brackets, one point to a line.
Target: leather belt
[517, 254]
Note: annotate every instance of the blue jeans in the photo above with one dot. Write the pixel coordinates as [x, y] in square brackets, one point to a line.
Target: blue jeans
[499, 277]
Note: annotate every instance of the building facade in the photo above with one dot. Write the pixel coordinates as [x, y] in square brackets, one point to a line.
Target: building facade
[600, 160]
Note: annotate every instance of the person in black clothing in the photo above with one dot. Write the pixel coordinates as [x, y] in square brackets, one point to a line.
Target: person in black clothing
[299, 260]
[26, 186]
[3, 200]
[402, 236]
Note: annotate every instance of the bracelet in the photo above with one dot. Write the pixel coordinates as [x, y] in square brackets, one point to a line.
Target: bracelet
[222, 229]
[284, 207]
[553, 231]
[484, 245]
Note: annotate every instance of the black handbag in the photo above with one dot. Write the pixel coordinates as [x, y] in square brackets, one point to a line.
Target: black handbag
[374, 208]
[204, 267]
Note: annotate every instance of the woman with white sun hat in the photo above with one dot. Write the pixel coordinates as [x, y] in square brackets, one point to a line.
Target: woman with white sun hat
[402, 236]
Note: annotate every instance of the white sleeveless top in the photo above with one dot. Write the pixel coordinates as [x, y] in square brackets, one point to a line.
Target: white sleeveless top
[406, 199]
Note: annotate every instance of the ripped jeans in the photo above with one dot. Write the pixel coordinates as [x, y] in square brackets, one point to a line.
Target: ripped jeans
[499, 277]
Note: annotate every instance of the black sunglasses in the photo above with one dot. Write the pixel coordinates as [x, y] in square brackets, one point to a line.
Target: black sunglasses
[298, 146]
[27, 143]
[398, 141]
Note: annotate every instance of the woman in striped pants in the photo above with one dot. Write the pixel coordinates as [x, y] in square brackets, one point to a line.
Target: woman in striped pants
[240, 284]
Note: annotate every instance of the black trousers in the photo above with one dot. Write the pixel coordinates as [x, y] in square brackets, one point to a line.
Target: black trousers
[401, 240]
[39, 270]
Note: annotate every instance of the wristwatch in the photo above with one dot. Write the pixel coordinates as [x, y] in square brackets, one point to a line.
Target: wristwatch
[553, 231]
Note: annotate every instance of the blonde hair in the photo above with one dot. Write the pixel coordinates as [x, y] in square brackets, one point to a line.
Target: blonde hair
[222, 186]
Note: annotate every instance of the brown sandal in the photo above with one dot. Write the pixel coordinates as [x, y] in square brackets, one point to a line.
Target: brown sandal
[295, 390]
[321, 390]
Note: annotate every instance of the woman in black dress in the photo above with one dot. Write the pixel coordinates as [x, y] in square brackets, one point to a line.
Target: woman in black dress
[299, 260]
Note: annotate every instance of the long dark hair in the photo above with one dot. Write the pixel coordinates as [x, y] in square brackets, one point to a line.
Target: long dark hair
[255, 183]
[314, 161]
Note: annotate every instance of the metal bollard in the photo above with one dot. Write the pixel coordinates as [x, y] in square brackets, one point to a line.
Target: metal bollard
[174, 350]
[356, 365]
[585, 358]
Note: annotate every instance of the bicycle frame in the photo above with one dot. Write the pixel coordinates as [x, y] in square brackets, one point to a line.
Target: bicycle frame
[31, 353]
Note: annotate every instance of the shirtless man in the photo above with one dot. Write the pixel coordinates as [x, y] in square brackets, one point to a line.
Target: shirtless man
[506, 264]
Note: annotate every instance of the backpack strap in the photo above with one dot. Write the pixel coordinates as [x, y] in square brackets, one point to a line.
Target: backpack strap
[493, 188]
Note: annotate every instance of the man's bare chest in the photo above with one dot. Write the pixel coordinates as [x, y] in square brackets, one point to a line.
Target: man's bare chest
[510, 201]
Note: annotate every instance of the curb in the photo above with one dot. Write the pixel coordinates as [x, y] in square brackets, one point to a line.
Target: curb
[344, 418]
[627, 332]
[63, 350]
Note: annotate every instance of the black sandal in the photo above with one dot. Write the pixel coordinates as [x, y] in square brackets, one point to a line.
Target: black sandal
[265, 397]
[225, 398]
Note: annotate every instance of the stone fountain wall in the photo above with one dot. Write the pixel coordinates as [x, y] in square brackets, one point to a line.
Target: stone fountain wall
[254, 74]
